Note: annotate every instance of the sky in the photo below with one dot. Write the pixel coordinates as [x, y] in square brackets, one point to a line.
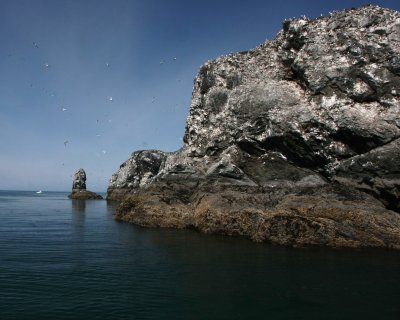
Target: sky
[85, 83]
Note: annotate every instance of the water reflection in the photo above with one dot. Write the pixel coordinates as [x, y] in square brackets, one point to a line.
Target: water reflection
[78, 206]
[112, 206]
[78, 221]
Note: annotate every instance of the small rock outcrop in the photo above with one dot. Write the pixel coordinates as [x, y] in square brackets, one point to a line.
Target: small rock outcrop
[295, 142]
[79, 191]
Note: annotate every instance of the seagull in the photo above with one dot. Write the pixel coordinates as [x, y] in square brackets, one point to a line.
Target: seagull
[162, 62]
[35, 44]
[65, 143]
[47, 65]
[111, 99]
[174, 58]
[107, 64]
[63, 109]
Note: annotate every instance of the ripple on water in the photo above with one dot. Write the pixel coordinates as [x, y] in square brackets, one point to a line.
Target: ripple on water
[65, 260]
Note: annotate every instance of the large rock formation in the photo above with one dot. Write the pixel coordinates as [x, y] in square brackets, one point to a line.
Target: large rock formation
[295, 142]
[79, 191]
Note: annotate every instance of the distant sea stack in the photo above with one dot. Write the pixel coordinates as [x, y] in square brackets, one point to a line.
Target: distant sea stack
[79, 191]
[295, 142]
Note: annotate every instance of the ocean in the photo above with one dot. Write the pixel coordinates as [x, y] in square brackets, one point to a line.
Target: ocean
[65, 259]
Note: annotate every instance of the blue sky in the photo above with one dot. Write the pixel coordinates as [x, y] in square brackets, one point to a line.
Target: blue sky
[77, 55]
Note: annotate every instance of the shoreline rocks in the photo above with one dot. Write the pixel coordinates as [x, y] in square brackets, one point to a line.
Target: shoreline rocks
[79, 191]
[295, 142]
[85, 195]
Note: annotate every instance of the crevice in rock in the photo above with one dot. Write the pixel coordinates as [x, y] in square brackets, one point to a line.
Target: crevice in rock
[358, 143]
[293, 146]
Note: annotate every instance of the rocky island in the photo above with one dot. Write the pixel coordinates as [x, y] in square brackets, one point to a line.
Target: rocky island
[295, 142]
[79, 191]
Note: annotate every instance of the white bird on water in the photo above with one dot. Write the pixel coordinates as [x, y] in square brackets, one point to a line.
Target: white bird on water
[40, 191]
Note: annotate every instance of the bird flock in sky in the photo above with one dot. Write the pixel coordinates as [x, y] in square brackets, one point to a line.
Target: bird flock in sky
[110, 99]
[64, 108]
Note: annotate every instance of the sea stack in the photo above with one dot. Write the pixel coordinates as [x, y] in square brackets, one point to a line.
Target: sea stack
[79, 191]
[295, 142]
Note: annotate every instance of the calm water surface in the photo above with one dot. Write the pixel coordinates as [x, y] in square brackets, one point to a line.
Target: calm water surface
[63, 259]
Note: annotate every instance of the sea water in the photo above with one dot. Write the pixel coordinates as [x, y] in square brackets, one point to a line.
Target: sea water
[69, 259]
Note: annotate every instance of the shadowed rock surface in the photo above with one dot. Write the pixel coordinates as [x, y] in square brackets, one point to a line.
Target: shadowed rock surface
[79, 191]
[296, 142]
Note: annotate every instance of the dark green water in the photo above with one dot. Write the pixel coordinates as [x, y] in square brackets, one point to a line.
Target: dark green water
[61, 259]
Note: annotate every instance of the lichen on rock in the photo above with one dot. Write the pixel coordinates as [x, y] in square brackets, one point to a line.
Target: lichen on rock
[295, 142]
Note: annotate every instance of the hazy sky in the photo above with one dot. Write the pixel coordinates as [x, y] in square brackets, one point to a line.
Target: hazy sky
[123, 70]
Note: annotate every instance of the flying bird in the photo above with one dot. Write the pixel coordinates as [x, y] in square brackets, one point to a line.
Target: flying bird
[35, 44]
[111, 99]
[63, 109]
[65, 143]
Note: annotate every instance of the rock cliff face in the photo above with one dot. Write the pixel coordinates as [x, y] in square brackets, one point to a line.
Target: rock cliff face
[295, 142]
[79, 191]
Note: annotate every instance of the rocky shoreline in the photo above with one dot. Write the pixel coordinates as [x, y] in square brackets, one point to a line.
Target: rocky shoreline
[295, 142]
